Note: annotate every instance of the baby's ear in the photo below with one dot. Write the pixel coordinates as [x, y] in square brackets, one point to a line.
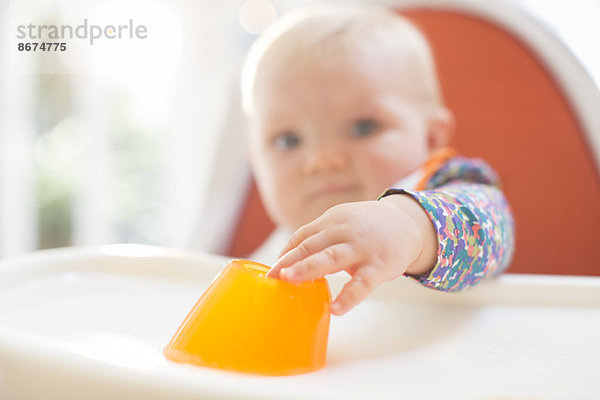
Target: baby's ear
[440, 128]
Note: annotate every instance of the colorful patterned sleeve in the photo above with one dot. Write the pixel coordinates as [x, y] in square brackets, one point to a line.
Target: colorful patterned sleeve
[473, 221]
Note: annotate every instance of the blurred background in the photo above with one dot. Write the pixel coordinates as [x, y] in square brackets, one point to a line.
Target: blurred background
[130, 140]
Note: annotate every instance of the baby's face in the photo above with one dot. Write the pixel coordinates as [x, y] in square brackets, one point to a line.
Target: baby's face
[325, 135]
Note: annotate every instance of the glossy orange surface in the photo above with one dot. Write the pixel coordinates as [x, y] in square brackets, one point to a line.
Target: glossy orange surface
[248, 322]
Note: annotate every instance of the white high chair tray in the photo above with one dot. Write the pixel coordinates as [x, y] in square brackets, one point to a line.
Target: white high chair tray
[90, 323]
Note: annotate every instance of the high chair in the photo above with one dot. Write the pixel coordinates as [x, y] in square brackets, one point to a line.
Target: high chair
[523, 103]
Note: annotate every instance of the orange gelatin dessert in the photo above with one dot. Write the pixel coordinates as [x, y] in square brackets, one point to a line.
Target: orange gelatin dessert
[246, 321]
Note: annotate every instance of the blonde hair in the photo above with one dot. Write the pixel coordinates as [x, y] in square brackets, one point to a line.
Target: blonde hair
[322, 32]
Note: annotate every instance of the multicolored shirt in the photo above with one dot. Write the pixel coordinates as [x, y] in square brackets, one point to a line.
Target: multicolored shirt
[474, 223]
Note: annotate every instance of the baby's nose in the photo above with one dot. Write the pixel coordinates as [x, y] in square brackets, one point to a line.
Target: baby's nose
[325, 158]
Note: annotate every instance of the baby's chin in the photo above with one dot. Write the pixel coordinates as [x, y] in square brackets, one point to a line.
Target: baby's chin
[316, 207]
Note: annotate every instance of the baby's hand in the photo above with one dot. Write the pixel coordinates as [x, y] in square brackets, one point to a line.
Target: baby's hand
[374, 241]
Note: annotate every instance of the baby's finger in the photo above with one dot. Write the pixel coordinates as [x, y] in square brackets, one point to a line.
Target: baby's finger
[331, 259]
[362, 283]
[299, 236]
[306, 248]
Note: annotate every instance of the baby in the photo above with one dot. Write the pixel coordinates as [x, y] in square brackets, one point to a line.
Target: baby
[348, 145]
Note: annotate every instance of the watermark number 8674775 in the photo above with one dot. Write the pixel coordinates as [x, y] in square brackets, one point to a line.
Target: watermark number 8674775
[43, 46]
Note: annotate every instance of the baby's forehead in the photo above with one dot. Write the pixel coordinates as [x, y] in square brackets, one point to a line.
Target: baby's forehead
[351, 74]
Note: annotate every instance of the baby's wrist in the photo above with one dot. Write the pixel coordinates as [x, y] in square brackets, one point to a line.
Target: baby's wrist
[426, 234]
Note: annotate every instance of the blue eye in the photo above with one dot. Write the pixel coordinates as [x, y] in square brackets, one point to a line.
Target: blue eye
[286, 141]
[364, 127]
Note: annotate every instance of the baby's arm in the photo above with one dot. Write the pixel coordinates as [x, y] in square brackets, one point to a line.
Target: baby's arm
[475, 232]
[472, 235]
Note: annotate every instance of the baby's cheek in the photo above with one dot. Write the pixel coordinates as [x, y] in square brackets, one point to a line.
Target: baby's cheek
[383, 175]
[392, 166]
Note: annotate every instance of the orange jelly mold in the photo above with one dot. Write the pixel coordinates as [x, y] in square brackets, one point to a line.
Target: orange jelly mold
[246, 321]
